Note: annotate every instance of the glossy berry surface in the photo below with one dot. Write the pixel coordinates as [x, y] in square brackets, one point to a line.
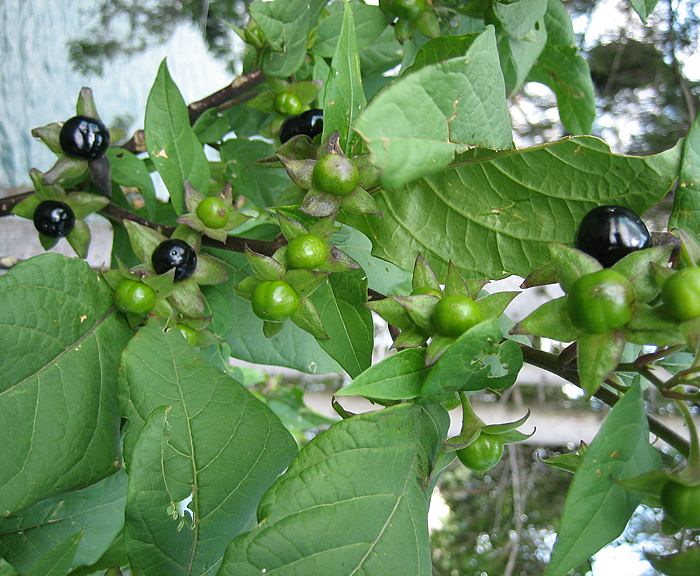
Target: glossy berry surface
[288, 104]
[482, 454]
[189, 334]
[609, 233]
[54, 219]
[681, 294]
[600, 302]
[307, 251]
[681, 503]
[274, 300]
[84, 137]
[309, 123]
[213, 212]
[335, 174]
[134, 297]
[176, 254]
[455, 314]
[409, 9]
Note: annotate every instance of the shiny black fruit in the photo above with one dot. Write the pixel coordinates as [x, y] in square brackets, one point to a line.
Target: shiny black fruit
[84, 137]
[54, 219]
[608, 233]
[176, 254]
[309, 123]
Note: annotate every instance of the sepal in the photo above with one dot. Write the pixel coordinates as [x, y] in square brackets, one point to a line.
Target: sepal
[79, 238]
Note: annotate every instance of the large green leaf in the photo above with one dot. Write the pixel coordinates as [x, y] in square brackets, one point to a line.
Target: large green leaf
[98, 510]
[686, 202]
[60, 339]
[353, 502]
[495, 213]
[237, 325]
[370, 22]
[285, 24]
[566, 72]
[597, 507]
[415, 126]
[58, 560]
[172, 144]
[208, 439]
[478, 359]
[343, 94]
[341, 305]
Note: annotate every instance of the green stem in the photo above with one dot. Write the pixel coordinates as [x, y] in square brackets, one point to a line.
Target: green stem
[694, 451]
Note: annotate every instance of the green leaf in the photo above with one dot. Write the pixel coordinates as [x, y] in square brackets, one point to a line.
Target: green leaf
[307, 318]
[397, 377]
[370, 471]
[58, 560]
[370, 22]
[343, 95]
[571, 264]
[478, 359]
[172, 145]
[415, 126]
[598, 356]
[114, 556]
[59, 403]
[440, 49]
[644, 8]
[686, 201]
[566, 72]
[285, 24]
[551, 320]
[97, 510]
[264, 184]
[597, 508]
[207, 437]
[382, 276]
[637, 267]
[493, 214]
[684, 563]
[234, 321]
[129, 170]
[341, 305]
[493, 305]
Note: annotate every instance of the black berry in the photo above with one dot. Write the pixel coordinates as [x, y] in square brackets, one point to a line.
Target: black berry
[608, 233]
[309, 123]
[54, 219]
[84, 137]
[176, 254]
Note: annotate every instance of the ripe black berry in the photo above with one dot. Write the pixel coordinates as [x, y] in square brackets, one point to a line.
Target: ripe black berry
[309, 123]
[176, 254]
[608, 233]
[54, 219]
[84, 137]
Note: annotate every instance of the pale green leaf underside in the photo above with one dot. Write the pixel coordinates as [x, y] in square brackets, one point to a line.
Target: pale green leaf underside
[58, 404]
[223, 446]
[352, 502]
[495, 213]
[415, 126]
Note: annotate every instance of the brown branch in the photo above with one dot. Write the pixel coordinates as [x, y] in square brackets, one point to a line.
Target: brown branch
[8, 203]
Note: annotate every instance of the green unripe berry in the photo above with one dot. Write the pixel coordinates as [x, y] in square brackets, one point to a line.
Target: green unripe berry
[482, 454]
[307, 251]
[455, 314]
[409, 9]
[335, 174]
[274, 300]
[601, 302]
[189, 334]
[213, 212]
[288, 104]
[134, 297]
[681, 294]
